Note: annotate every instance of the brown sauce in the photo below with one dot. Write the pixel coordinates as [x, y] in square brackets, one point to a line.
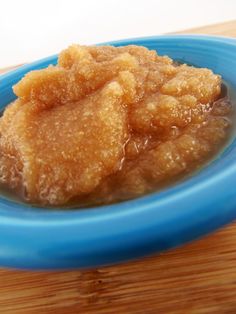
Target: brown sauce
[109, 124]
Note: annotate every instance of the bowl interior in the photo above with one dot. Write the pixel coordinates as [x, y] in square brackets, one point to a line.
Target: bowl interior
[216, 53]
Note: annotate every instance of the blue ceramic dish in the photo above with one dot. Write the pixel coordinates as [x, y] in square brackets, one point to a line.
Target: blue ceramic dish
[37, 238]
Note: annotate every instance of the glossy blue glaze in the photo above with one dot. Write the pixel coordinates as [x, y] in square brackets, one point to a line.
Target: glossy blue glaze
[37, 238]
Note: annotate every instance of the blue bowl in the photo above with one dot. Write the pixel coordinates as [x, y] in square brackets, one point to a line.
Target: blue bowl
[36, 238]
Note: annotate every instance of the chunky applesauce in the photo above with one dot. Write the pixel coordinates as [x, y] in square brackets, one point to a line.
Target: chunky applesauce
[108, 124]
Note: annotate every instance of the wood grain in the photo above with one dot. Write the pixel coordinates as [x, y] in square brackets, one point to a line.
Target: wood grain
[222, 29]
[199, 278]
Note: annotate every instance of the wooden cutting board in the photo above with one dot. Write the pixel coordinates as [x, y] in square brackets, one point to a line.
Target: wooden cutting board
[199, 278]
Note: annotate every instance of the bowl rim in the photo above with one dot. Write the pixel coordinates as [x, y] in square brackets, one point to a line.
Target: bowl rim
[157, 214]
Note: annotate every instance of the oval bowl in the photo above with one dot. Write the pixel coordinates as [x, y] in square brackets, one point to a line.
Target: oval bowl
[36, 238]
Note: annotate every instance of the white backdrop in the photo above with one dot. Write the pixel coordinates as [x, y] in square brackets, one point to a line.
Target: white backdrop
[34, 29]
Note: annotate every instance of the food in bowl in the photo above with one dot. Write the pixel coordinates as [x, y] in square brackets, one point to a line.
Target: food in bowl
[108, 124]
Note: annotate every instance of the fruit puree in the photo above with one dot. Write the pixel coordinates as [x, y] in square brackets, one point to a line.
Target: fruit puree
[108, 124]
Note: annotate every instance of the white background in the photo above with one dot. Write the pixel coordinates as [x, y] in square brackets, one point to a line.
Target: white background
[34, 29]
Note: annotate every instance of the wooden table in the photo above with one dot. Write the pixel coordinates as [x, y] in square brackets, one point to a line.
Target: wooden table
[198, 278]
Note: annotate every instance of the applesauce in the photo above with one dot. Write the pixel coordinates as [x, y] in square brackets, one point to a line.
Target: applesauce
[108, 124]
